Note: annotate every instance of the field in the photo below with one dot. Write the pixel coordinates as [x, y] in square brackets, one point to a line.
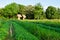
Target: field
[29, 29]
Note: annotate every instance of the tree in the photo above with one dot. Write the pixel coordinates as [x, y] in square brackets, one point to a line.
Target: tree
[1, 11]
[22, 9]
[11, 10]
[58, 11]
[51, 12]
[29, 12]
[38, 12]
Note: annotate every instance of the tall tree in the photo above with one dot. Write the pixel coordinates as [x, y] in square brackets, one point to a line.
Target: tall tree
[1, 11]
[11, 10]
[29, 12]
[22, 9]
[51, 12]
[58, 11]
[38, 12]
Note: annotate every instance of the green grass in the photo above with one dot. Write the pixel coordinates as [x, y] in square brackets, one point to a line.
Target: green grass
[4, 31]
[49, 23]
[22, 34]
[30, 30]
[57, 29]
[39, 31]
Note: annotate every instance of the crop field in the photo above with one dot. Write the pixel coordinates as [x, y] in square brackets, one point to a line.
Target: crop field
[29, 29]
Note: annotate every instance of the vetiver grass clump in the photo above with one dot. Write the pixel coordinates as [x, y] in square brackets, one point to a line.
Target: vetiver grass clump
[4, 31]
[2, 22]
[22, 34]
[50, 23]
[39, 31]
[47, 26]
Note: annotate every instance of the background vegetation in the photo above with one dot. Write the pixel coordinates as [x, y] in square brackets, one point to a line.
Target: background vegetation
[32, 12]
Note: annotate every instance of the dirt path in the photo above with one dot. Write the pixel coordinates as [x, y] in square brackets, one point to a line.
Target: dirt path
[11, 33]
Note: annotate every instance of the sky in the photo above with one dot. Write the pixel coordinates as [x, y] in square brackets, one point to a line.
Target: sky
[44, 3]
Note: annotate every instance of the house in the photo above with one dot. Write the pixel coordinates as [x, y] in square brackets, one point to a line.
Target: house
[21, 16]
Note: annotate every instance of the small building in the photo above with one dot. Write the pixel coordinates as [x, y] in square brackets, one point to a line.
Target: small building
[21, 16]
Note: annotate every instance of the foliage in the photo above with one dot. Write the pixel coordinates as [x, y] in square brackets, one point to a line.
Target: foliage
[31, 11]
[1, 12]
[38, 12]
[58, 12]
[51, 12]
[22, 9]
[10, 10]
